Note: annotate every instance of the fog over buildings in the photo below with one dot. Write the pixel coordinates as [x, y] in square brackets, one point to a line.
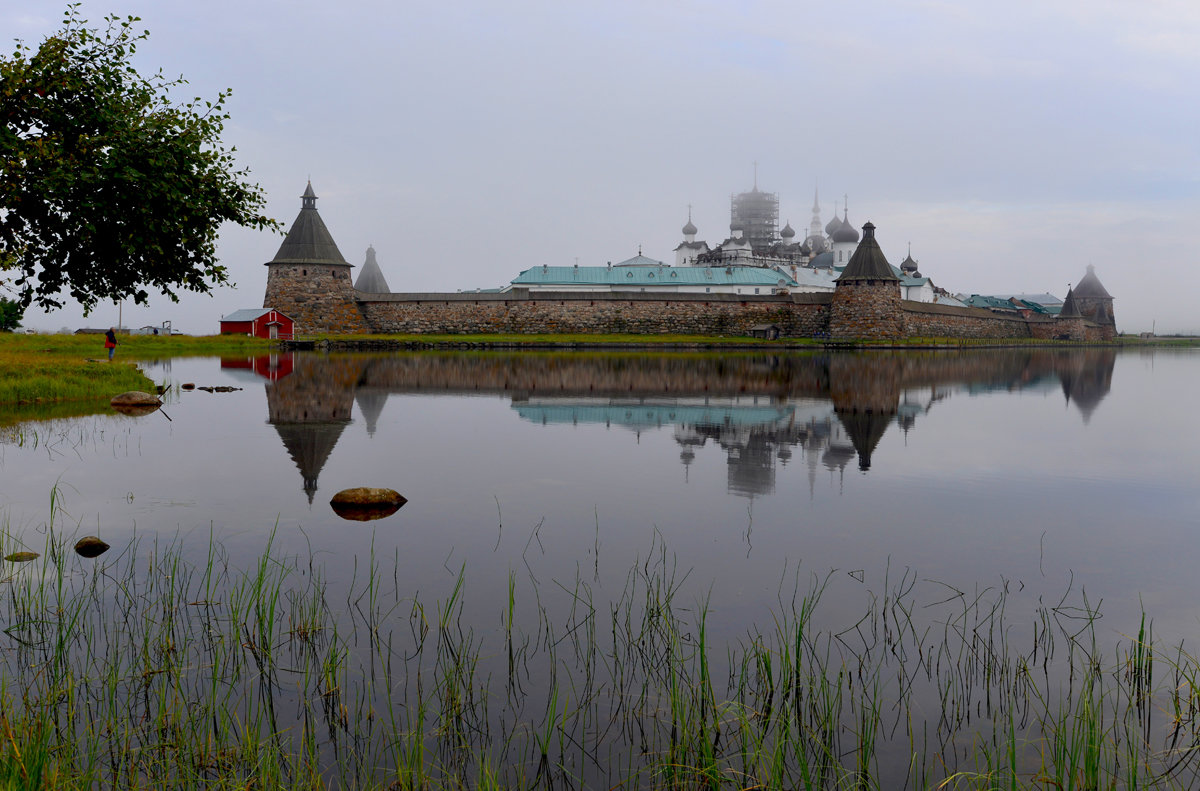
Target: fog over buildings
[1010, 144]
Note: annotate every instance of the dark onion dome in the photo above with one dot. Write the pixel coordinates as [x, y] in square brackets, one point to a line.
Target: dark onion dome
[689, 229]
[868, 261]
[908, 264]
[787, 232]
[1089, 287]
[833, 225]
[816, 244]
[805, 249]
[845, 234]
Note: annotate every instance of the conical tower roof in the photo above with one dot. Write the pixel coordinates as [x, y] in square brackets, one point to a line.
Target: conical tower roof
[1090, 286]
[370, 277]
[309, 445]
[308, 241]
[865, 429]
[1069, 309]
[868, 261]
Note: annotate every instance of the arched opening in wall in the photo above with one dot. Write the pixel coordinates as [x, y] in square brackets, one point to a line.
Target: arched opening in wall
[304, 272]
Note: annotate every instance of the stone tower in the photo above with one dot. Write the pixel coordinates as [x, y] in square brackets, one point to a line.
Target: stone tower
[866, 297]
[309, 280]
[1093, 300]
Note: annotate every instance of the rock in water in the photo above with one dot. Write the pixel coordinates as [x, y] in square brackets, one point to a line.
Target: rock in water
[135, 403]
[22, 557]
[135, 398]
[364, 503]
[90, 547]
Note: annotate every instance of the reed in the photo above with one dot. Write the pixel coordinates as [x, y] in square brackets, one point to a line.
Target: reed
[160, 666]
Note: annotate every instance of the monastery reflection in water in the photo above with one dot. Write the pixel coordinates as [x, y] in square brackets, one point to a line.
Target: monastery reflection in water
[761, 411]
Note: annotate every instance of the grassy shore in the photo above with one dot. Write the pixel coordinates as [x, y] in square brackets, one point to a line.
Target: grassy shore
[54, 375]
[152, 667]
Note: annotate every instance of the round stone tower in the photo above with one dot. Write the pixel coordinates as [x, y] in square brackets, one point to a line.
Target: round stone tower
[1093, 300]
[866, 296]
[309, 280]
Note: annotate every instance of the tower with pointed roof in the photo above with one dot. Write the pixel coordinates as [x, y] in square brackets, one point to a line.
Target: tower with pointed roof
[866, 298]
[308, 278]
[1093, 300]
[1068, 324]
[370, 277]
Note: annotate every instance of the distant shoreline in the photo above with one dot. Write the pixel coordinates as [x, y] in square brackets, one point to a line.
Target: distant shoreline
[686, 343]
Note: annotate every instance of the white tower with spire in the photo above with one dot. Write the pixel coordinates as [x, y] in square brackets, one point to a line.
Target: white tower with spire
[689, 248]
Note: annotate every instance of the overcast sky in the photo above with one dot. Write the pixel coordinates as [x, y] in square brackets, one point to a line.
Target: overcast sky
[1011, 144]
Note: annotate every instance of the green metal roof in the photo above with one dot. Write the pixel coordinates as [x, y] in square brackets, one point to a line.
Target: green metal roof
[653, 276]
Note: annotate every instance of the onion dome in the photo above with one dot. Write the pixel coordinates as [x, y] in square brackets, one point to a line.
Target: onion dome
[787, 232]
[689, 229]
[805, 249]
[845, 234]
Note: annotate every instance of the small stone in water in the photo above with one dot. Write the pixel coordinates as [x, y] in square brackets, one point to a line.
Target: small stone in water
[22, 557]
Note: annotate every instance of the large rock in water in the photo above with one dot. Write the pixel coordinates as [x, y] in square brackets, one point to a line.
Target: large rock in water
[90, 547]
[364, 503]
[135, 402]
[135, 398]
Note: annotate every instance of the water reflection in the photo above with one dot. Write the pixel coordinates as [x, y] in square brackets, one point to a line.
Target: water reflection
[759, 410]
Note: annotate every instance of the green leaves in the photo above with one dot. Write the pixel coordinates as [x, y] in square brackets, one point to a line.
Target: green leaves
[107, 188]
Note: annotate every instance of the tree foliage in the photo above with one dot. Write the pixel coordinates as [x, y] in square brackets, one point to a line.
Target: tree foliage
[11, 313]
[108, 187]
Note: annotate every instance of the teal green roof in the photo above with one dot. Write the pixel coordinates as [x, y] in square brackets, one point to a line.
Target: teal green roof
[654, 415]
[652, 276]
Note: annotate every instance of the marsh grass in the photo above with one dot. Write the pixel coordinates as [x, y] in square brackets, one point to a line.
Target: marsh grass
[45, 376]
[144, 669]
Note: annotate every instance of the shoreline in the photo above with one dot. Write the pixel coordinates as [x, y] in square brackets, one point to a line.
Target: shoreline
[336, 343]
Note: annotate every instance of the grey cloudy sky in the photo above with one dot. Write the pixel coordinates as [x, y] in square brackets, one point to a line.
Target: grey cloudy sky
[1011, 144]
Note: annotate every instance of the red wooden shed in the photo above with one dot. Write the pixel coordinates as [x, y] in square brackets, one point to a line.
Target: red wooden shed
[259, 322]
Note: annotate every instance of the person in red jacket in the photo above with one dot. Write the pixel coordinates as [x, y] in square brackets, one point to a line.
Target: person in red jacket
[110, 342]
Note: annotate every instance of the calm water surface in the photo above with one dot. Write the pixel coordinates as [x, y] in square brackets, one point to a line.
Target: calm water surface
[1042, 473]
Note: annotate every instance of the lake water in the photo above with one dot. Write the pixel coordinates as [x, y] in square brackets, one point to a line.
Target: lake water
[1047, 475]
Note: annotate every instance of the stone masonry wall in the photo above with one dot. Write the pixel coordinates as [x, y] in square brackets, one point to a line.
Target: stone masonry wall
[801, 315]
[927, 320]
[321, 299]
[318, 297]
[866, 309]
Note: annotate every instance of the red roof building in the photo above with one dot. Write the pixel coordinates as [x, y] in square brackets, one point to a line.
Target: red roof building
[259, 322]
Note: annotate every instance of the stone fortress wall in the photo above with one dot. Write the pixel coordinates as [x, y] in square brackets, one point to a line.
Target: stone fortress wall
[310, 281]
[797, 315]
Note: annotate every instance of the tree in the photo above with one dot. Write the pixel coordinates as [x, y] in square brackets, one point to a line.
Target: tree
[11, 313]
[107, 186]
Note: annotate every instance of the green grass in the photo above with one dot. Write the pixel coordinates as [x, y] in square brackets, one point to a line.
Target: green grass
[134, 347]
[146, 669]
[45, 376]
